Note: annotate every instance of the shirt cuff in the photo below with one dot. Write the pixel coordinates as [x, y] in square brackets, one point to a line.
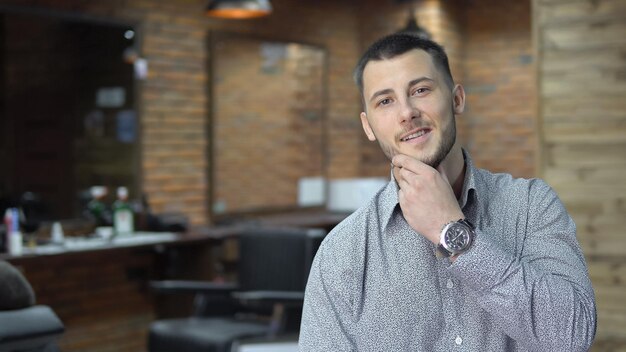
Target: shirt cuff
[482, 266]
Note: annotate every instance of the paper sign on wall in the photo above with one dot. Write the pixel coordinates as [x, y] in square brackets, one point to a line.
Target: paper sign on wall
[110, 97]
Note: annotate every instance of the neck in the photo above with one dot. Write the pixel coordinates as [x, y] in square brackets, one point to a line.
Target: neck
[454, 168]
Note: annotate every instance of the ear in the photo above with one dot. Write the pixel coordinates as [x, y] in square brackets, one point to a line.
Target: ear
[367, 128]
[458, 96]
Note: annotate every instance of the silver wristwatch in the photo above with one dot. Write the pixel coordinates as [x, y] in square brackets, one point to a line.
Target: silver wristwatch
[456, 237]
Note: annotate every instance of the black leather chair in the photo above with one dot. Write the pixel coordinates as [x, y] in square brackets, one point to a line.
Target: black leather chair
[24, 327]
[266, 301]
[32, 329]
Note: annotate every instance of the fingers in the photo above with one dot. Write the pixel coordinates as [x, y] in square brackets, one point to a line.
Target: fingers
[404, 177]
[414, 165]
[412, 173]
[406, 168]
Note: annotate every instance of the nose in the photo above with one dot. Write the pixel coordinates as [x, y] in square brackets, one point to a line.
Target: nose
[408, 111]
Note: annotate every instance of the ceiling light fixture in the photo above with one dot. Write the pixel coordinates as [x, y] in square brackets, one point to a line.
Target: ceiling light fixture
[238, 9]
[413, 28]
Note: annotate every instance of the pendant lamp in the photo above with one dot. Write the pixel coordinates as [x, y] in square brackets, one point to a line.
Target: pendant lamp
[413, 28]
[238, 9]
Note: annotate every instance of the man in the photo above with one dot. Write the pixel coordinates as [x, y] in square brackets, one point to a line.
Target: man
[446, 256]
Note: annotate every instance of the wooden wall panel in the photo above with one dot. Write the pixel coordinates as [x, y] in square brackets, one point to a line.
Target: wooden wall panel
[581, 49]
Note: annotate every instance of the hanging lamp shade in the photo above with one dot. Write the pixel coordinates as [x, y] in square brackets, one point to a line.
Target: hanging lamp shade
[238, 9]
[414, 29]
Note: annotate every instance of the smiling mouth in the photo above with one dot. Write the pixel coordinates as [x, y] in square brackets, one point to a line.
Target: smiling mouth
[414, 135]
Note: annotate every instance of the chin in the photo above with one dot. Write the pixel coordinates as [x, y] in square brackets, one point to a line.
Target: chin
[426, 158]
[432, 159]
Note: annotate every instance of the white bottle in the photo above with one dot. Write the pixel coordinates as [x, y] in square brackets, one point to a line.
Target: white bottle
[15, 243]
[57, 235]
[15, 236]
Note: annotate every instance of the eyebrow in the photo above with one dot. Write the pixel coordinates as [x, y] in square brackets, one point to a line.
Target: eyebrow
[389, 90]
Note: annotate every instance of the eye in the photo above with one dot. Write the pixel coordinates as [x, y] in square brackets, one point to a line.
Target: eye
[421, 91]
[385, 101]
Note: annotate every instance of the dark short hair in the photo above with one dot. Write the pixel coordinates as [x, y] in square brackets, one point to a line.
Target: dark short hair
[396, 44]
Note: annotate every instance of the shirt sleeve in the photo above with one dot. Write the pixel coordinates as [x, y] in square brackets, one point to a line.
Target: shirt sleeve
[541, 296]
[327, 309]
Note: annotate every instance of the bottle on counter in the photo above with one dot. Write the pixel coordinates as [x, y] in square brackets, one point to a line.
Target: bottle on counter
[96, 208]
[141, 210]
[14, 236]
[7, 224]
[123, 221]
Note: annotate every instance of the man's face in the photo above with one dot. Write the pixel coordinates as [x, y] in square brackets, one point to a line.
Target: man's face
[409, 107]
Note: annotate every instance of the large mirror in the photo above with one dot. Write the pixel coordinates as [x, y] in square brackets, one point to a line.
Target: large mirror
[268, 103]
[68, 118]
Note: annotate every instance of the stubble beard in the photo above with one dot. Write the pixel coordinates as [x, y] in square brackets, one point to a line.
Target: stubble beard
[434, 160]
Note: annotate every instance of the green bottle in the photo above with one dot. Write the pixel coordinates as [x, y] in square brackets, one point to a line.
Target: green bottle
[97, 210]
[123, 222]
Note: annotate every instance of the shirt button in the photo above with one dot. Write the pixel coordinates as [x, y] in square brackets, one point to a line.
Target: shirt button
[449, 284]
[458, 340]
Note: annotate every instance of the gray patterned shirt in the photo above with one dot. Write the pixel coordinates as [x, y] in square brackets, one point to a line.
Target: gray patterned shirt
[376, 285]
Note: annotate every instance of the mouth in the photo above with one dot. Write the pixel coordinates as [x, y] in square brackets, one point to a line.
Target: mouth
[415, 134]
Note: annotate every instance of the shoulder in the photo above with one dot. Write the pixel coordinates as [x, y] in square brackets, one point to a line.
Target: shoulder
[507, 184]
[345, 245]
[346, 236]
[533, 194]
[363, 222]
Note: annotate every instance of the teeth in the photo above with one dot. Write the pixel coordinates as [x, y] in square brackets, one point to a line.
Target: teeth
[414, 135]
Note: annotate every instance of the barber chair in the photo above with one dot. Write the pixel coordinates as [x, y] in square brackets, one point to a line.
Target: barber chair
[31, 329]
[266, 300]
[24, 327]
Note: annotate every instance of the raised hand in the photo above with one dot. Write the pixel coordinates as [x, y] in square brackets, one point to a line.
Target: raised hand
[426, 197]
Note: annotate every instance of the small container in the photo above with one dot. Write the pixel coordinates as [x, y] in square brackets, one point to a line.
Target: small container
[57, 236]
[15, 243]
[105, 232]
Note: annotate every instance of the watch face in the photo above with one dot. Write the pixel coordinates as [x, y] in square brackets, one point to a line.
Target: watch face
[457, 237]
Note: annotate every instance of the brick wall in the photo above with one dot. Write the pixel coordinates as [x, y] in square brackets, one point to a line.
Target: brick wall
[267, 121]
[499, 79]
[173, 104]
[324, 23]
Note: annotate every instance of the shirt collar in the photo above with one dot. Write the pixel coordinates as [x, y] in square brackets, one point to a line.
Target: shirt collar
[469, 182]
[389, 196]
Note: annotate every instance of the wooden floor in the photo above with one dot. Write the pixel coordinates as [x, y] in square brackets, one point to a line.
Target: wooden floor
[609, 346]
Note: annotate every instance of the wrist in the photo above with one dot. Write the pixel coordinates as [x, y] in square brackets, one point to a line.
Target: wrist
[435, 235]
[456, 238]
